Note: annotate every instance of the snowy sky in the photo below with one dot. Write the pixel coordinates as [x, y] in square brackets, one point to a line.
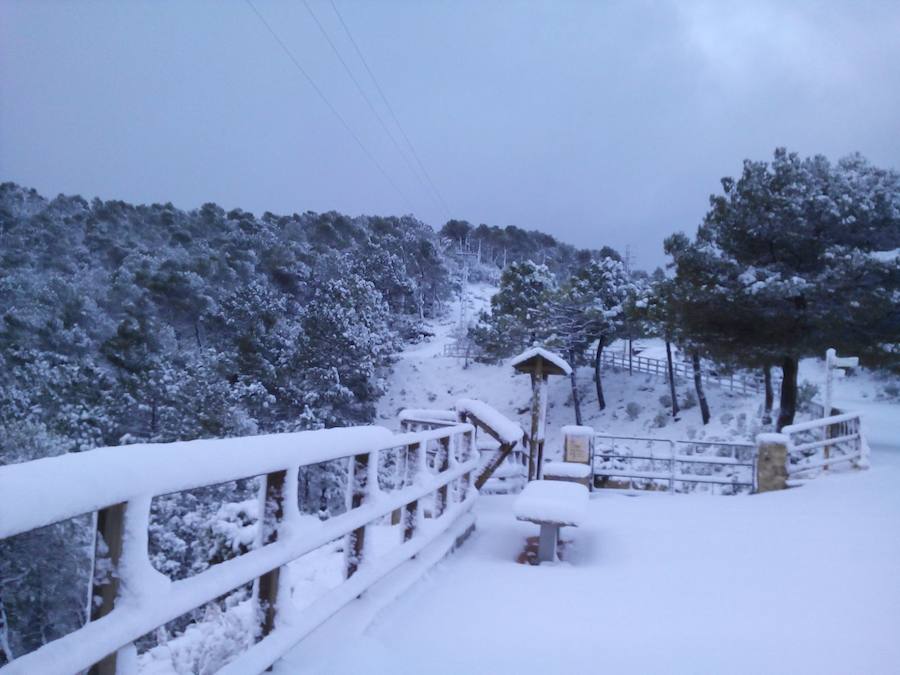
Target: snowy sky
[602, 122]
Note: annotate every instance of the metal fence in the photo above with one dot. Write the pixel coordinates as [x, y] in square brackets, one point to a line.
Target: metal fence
[645, 463]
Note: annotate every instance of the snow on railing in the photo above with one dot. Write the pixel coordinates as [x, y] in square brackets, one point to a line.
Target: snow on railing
[821, 443]
[507, 431]
[644, 364]
[422, 419]
[120, 482]
[505, 464]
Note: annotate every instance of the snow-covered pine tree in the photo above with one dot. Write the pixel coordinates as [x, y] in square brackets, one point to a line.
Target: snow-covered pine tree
[796, 256]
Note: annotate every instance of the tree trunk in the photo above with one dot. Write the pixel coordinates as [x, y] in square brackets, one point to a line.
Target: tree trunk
[6, 653]
[788, 392]
[575, 398]
[770, 395]
[698, 385]
[671, 379]
[601, 402]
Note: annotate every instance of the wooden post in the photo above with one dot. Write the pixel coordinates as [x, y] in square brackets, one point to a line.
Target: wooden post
[497, 460]
[359, 469]
[537, 379]
[110, 527]
[273, 512]
[443, 461]
[539, 364]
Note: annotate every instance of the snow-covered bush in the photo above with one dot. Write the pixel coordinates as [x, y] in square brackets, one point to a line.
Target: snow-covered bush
[632, 409]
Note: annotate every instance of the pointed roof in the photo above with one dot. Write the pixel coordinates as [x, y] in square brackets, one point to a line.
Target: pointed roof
[553, 363]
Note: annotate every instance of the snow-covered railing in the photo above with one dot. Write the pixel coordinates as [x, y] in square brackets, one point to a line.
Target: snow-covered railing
[659, 367]
[119, 483]
[424, 419]
[822, 443]
[660, 460]
[503, 469]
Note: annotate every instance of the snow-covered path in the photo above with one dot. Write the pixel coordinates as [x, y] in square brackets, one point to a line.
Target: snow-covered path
[802, 581]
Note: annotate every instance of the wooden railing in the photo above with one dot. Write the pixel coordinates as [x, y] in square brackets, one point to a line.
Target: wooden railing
[119, 483]
[822, 443]
[512, 446]
[733, 382]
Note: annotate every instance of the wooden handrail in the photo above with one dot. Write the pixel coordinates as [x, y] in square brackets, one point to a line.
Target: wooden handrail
[145, 599]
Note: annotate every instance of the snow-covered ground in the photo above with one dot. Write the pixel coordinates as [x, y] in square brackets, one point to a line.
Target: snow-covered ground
[800, 581]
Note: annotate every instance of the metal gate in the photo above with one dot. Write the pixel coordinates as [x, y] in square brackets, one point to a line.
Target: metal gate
[644, 463]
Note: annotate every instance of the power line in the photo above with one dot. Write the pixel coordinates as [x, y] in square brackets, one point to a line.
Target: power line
[368, 101]
[390, 108]
[328, 103]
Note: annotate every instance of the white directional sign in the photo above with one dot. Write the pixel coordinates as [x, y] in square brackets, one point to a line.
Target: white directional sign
[834, 365]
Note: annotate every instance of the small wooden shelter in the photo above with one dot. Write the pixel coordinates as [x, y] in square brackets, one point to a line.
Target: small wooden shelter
[540, 363]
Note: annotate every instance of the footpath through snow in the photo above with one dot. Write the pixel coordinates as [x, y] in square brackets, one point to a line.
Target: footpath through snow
[800, 581]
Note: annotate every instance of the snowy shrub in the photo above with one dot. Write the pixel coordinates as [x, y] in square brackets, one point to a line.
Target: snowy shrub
[689, 399]
[209, 644]
[632, 410]
[726, 418]
[660, 420]
[665, 401]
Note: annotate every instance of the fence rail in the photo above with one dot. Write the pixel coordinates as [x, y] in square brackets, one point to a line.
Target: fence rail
[673, 462]
[822, 443]
[119, 483]
[742, 383]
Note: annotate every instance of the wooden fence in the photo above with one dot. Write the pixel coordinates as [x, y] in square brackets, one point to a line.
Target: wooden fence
[820, 444]
[119, 483]
[739, 382]
[502, 470]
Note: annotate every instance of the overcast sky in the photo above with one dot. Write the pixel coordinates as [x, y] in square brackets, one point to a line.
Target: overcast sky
[601, 123]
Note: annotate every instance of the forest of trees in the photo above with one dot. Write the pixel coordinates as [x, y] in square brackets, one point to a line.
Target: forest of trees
[122, 324]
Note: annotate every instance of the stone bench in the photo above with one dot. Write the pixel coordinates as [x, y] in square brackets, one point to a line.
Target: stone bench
[551, 504]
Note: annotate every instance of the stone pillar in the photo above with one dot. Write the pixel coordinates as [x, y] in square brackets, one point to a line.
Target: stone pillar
[771, 462]
[578, 444]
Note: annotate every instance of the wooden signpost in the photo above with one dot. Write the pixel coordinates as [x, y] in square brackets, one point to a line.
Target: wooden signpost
[540, 364]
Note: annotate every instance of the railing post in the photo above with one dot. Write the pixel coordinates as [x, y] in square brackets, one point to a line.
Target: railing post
[110, 528]
[411, 510]
[273, 513]
[359, 469]
[771, 462]
[440, 504]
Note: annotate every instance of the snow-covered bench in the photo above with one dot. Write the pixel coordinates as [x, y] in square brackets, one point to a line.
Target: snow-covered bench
[551, 504]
